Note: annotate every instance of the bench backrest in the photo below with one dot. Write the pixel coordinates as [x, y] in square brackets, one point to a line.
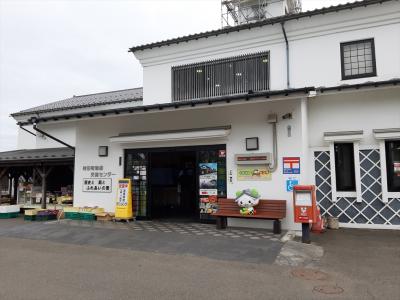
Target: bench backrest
[265, 207]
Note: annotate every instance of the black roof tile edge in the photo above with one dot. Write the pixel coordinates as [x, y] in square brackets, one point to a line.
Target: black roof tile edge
[176, 105]
[210, 101]
[24, 112]
[271, 21]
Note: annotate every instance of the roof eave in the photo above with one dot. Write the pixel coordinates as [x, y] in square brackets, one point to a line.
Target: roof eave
[172, 105]
[271, 21]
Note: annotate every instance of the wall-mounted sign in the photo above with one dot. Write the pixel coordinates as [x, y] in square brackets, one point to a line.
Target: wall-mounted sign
[290, 183]
[253, 159]
[208, 179]
[253, 173]
[291, 165]
[97, 185]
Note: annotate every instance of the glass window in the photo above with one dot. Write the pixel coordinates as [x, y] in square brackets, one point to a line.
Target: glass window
[358, 59]
[344, 167]
[235, 75]
[136, 170]
[393, 165]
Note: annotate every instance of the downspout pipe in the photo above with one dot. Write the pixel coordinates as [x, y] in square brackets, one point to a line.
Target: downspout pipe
[52, 137]
[28, 131]
[287, 56]
[273, 119]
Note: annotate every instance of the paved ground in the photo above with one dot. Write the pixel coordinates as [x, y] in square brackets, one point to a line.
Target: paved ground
[256, 246]
[73, 261]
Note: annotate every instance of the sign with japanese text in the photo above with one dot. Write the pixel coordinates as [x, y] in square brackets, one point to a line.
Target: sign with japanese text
[253, 173]
[291, 165]
[97, 185]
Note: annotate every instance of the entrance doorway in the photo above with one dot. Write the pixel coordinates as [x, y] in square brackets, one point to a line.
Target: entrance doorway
[172, 184]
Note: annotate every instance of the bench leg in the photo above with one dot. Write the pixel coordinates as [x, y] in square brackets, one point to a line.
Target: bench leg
[221, 222]
[225, 223]
[277, 227]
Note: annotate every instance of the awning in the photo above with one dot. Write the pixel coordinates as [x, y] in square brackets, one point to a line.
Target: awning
[172, 135]
[343, 136]
[388, 133]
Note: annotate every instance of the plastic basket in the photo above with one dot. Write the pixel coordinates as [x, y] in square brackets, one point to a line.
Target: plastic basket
[8, 215]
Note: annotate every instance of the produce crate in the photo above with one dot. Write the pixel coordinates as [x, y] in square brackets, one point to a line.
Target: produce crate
[30, 217]
[31, 212]
[72, 215]
[8, 215]
[46, 215]
[104, 217]
[87, 216]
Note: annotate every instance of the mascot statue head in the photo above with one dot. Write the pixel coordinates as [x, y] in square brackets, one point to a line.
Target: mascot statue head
[247, 199]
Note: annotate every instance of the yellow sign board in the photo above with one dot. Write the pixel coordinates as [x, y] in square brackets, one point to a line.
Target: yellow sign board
[253, 173]
[123, 209]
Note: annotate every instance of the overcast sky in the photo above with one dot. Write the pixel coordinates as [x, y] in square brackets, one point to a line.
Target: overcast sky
[53, 49]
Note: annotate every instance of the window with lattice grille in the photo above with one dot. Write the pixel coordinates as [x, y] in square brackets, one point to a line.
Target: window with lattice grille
[358, 59]
[230, 76]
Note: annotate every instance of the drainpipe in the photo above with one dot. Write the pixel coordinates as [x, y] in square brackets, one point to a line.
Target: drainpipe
[23, 128]
[273, 119]
[287, 56]
[52, 137]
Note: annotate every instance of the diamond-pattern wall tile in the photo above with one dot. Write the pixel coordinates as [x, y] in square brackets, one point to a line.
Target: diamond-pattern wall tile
[371, 210]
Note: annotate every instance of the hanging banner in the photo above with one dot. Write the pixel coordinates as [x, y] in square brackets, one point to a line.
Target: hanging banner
[208, 179]
[253, 173]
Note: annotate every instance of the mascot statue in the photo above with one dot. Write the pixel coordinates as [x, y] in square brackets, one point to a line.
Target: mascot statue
[247, 199]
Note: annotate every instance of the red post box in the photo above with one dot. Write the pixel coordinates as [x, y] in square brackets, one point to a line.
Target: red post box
[305, 208]
[304, 204]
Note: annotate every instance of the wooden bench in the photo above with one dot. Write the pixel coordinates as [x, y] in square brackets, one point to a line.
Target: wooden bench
[266, 209]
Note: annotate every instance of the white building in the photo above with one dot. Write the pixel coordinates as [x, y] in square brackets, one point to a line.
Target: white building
[327, 80]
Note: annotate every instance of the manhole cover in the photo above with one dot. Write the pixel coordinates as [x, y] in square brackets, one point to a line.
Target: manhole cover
[328, 289]
[309, 274]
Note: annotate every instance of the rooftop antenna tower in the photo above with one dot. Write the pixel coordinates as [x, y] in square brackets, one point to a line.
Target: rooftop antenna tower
[237, 12]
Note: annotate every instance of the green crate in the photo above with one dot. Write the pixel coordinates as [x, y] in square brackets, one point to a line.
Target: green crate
[41, 218]
[72, 215]
[30, 218]
[87, 216]
[8, 215]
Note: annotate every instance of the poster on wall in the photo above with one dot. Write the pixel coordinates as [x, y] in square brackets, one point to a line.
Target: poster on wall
[208, 179]
[253, 173]
[291, 165]
[208, 204]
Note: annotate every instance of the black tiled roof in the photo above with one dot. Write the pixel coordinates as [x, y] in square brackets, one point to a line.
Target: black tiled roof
[44, 154]
[113, 97]
[269, 21]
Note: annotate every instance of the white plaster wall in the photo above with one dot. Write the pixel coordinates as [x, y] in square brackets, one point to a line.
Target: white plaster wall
[26, 140]
[356, 110]
[246, 120]
[65, 131]
[157, 72]
[314, 49]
